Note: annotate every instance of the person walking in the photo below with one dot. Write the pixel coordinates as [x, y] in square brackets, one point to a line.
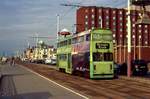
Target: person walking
[12, 61]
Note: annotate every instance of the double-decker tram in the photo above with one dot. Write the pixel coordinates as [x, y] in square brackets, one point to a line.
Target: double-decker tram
[64, 54]
[89, 53]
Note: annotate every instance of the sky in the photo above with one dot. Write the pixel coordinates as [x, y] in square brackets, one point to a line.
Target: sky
[20, 20]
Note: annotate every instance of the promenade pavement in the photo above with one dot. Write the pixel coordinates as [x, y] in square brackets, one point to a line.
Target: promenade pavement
[20, 83]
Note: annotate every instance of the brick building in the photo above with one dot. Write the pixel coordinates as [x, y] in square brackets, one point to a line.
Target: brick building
[116, 20]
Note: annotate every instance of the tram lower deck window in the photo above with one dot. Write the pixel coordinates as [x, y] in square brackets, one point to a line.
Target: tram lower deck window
[97, 56]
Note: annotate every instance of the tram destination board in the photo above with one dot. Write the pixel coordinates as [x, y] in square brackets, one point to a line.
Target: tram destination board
[102, 45]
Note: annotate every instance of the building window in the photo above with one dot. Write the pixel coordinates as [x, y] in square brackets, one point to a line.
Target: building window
[140, 14]
[86, 28]
[107, 17]
[86, 23]
[133, 19]
[114, 23]
[114, 29]
[107, 11]
[92, 27]
[114, 35]
[107, 23]
[99, 23]
[114, 41]
[120, 18]
[86, 17]
[146, 42]
[146, 31]
[100, 17]
[93, 16]
[139, 36]
[120, 12]
[92, 10]
[121, 24]
[120, 35]
[114, 12]
[139, 26]
[145, 26]
[114, 18]
[99, 10]
[92, 22]
[86, 10]
[120, 29]
[133, 25]
[140, 31]
[133, 30]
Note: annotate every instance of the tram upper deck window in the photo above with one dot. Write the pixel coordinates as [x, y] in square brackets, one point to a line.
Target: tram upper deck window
[80, 39]
[65, 42]
[88, 37]
[63, 57]
[74, 40]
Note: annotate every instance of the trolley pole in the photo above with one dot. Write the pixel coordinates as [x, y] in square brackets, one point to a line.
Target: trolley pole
[129, 41]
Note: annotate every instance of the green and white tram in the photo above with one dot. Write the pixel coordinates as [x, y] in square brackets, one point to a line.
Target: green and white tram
[89, 53]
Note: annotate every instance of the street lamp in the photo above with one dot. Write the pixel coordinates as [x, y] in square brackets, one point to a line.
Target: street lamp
[58, 25]
[129, 41]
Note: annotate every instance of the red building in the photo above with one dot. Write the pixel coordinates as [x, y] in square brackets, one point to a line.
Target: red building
[116, 20]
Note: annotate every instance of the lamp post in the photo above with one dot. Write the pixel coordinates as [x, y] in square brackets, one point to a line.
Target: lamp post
[129, 42]
[58, 23]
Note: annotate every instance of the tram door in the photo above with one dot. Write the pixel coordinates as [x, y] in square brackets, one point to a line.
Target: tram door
[69, 63]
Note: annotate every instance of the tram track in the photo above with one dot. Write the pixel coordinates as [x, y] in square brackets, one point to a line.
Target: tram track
[108, 89]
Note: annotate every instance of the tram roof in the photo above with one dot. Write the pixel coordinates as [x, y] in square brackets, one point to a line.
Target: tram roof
[99, 30]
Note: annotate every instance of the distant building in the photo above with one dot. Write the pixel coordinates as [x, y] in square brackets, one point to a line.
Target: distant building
[116, 20]
[40, 52]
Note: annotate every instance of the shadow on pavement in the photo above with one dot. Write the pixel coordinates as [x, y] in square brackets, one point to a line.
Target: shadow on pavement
[36, 95]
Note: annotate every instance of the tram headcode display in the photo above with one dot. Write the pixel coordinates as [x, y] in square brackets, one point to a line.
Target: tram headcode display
[102, 45]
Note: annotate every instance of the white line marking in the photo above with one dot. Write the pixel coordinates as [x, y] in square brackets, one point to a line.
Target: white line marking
[55, 83]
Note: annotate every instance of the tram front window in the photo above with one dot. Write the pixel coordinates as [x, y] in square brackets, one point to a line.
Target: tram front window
[108, 57]
[97, 56]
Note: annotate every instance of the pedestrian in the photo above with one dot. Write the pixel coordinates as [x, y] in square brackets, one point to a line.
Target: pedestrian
[12, 61]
